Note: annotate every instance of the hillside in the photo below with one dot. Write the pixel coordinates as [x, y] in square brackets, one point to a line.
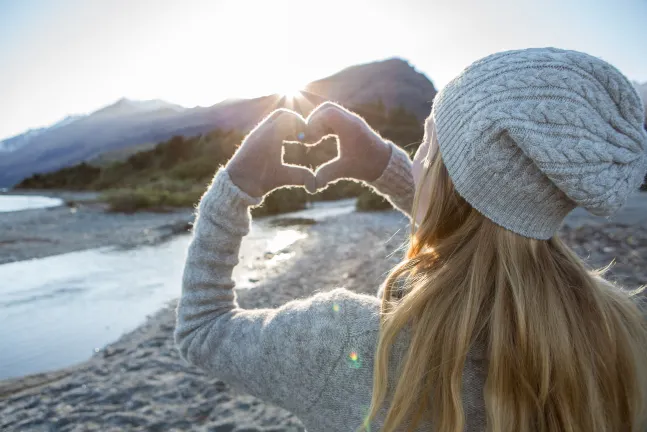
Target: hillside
[393, 81]
[174, 172]
[25, 138]
[126, 123]
[642, 90]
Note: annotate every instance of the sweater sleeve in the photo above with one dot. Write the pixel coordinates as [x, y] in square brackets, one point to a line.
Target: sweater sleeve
[286, 356]
[396, 182]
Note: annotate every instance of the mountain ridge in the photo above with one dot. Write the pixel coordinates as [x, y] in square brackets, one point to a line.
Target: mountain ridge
[128, 122]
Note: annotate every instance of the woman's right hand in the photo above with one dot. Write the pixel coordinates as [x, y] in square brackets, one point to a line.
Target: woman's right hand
[363, 153]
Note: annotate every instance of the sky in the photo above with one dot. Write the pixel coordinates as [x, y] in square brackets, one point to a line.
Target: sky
[62, 57]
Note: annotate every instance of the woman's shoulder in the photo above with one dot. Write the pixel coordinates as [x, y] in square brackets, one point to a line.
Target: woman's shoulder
[341, 304]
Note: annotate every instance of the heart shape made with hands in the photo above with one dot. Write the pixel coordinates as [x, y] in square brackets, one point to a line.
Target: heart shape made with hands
[305, 144]
[311, 155]
[334, 142]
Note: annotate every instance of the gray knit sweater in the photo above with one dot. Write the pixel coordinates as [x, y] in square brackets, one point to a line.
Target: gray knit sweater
[313, 357]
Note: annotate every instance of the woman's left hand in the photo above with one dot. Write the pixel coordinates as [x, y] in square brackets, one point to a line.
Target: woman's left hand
[257, 167]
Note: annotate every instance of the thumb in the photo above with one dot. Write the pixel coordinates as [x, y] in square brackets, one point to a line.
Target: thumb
[329, 172]
[292, 175]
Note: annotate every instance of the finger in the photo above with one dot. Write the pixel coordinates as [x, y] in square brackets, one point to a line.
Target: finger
[330, 172]
[331, 118]
[292, 175]
[286, 125]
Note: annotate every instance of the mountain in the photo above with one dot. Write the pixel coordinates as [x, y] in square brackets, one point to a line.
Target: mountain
[128, 122]
[642, 90]
[123, 107]
[394, 81]
[127, 107]
[18, 141]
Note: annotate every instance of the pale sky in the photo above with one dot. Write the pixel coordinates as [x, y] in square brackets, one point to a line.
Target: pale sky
[60, 57]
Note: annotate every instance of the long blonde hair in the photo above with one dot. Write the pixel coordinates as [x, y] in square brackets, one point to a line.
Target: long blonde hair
[566, 350]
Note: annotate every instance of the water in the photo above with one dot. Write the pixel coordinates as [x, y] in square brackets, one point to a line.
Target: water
[57, 311]
[10, 203]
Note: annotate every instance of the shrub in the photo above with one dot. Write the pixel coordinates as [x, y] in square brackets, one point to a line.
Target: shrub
[197, 169]
[340, 190]
[148, 198]
[129, 201]
[77, 177]
[370, 201]
[282, 201]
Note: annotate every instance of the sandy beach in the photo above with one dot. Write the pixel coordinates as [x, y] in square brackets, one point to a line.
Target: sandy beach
[140, 383]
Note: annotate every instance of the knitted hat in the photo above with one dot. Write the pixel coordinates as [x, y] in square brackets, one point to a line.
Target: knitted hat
[529, 135]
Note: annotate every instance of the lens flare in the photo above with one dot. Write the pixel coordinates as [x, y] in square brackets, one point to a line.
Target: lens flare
[354, 361]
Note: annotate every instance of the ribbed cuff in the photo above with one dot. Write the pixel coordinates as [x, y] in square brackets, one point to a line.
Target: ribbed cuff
[396, 179]
[224, 197]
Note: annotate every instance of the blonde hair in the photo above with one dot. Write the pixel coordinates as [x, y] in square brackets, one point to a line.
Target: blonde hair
[566, 350]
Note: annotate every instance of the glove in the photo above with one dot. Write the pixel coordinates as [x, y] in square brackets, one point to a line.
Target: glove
[363, 153]
[257, 167]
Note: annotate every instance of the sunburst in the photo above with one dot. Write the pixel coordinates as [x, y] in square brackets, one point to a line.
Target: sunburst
[291, 92]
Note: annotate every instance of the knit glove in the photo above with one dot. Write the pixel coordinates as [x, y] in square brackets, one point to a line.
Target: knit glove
[363, 153]
[257, 167]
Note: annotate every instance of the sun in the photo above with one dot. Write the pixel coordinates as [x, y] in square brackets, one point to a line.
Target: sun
[291, 92]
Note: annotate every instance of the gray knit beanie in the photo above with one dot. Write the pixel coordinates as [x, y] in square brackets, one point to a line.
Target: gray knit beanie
[529, 135]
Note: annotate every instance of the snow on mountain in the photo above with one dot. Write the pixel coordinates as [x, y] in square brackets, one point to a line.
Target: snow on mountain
[18, 141]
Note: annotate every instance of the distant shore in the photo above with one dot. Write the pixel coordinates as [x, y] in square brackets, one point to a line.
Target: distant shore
[139, 382]
[82, 223]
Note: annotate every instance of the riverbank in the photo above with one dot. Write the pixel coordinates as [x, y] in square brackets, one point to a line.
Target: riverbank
[140, 383]
[82, 224]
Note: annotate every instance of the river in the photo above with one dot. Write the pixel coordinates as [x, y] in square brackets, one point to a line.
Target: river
[10, 203]
[57, 311]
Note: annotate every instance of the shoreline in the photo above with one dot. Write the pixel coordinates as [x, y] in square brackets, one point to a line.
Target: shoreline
[39, 233]
[139, 381]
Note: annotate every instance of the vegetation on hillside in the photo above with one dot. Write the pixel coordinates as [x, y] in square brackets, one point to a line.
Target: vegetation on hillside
[176, 172]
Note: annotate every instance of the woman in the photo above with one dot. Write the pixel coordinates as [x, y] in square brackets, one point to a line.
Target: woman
[490, 322]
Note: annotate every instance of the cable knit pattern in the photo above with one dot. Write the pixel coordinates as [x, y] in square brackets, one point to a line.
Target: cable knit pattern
[313, 357]
[528, 135]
